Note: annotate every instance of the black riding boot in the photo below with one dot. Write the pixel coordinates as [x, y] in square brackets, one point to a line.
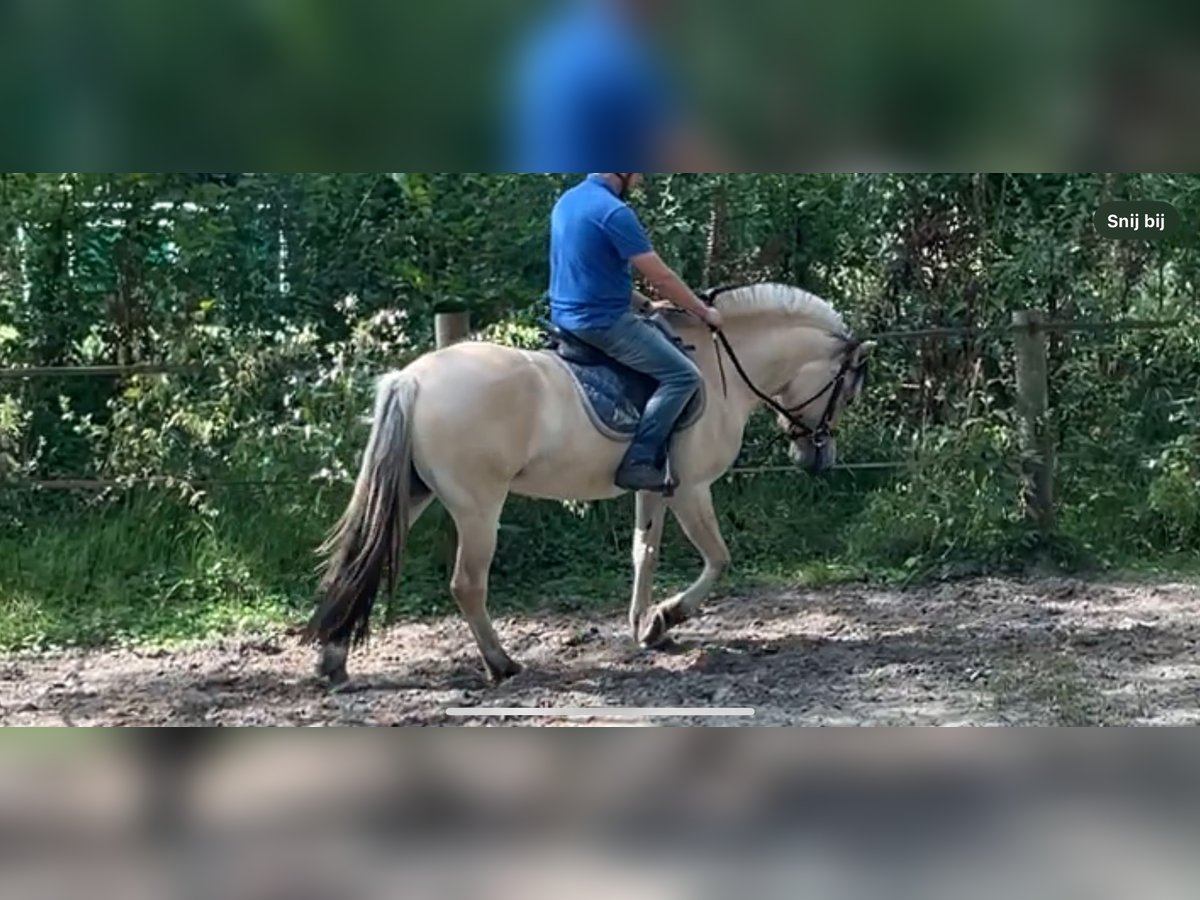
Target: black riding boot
[642, 477]
[641, 471]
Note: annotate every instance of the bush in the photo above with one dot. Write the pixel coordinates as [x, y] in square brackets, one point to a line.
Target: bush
[958, 501]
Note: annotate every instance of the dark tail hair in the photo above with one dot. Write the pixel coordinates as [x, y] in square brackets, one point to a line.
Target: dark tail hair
[366, 544]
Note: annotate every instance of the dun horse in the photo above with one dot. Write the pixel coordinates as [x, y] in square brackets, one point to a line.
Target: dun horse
[471, 423]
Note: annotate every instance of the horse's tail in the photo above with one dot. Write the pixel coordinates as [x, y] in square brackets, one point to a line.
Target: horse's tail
[366, 544]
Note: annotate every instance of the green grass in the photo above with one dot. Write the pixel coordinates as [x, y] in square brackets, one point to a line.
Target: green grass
[144, 571]
[151, 568]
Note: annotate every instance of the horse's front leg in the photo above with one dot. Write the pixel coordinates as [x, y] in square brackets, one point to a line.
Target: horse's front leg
[693, 510]
[647, 541]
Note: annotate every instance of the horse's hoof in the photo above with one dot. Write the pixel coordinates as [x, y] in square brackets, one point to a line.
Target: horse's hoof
[335, 675]
[331, 665]
[668, 645]
[503, 672]
[335, 679]
[654, 632]
[657, 624]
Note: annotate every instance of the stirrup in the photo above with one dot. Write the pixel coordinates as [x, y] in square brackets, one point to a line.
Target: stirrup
[659, 483]
[666, 486]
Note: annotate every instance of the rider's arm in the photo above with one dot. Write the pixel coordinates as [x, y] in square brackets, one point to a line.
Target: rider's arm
[631, 242]
[670, 285]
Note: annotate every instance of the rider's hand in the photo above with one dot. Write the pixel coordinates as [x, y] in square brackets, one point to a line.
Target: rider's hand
[713, 318]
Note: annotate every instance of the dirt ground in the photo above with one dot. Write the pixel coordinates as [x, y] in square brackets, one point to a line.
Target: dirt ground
[980, 652]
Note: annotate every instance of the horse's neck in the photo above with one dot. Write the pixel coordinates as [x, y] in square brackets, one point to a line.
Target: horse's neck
[769, 352]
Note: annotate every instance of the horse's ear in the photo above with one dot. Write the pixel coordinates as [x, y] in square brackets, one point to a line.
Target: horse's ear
[862, 353]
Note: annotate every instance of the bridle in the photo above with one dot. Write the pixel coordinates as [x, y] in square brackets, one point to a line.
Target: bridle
[818, 435]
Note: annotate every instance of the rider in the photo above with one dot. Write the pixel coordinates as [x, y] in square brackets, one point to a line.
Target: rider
[594, 237]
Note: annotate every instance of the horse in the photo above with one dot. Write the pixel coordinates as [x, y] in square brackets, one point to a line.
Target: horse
[473, 422]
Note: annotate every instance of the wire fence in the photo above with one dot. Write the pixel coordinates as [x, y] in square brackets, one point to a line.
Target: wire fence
[1018, 327]
[105, 484]
[1008, 330]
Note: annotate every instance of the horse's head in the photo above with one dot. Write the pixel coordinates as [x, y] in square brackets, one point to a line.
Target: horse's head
[815, 398]
[789, 335]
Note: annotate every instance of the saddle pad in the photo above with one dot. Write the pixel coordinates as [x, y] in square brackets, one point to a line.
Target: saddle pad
[615, 396]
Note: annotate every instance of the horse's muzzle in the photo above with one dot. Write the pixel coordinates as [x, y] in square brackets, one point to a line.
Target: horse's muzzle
[814, 458]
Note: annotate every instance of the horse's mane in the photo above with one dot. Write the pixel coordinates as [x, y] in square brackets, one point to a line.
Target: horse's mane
[759, 299]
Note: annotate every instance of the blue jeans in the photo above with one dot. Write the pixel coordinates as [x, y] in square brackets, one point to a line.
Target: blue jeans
[642, 346]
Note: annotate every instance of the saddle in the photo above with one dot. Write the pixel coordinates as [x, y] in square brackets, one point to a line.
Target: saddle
[613, 395]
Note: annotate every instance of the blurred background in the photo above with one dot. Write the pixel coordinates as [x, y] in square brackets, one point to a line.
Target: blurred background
[765, 86]
[903, 814]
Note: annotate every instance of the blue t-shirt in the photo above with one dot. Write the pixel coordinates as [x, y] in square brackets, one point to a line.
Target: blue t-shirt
[593, 235]
[589, 96]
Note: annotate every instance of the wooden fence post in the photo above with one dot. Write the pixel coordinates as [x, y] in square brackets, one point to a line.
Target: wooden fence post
[450, 326]
[1037, 447]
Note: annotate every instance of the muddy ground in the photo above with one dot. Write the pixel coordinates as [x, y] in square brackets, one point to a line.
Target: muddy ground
[981, 652]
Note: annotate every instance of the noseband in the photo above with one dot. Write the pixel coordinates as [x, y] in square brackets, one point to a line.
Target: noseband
[820, 435]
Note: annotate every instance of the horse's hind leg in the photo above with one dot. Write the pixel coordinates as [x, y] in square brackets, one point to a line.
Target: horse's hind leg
[477, 525]
[694, 511]
[331, 663]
